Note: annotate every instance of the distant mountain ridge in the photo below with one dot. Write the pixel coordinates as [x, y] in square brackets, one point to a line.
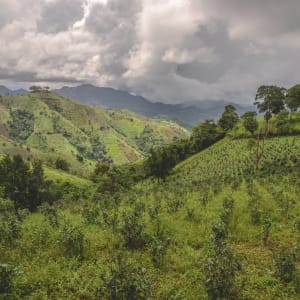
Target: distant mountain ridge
[6, 91]
[184, 114]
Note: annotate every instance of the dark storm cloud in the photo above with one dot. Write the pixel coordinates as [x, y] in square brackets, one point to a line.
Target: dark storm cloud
[171, 50]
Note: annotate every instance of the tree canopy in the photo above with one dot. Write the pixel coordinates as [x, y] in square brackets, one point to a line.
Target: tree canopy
[229, 118]
[292, 98]
[269, 99]
[249, 121]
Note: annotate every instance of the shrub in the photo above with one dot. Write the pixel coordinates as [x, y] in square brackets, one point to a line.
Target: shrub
[50, 213]
[62, 164]
[266, 228]
[6, 276]
[220, 266]
[71, 239]
[285, 265]
[133, 227]
[125, 280]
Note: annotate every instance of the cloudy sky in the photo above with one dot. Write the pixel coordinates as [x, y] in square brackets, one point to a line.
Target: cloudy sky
[167, 50]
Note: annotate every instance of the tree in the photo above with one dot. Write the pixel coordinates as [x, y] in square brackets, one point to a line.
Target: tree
[282, 122]
[269, 100]
[35, 89]
[24, 185]
[292, 98]
[161, 161]
[229, 118]
[249, 121]
[204, 135]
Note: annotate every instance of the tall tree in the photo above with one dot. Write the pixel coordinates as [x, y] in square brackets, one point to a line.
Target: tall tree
[292, 98]
[269, 100]
[229, 118]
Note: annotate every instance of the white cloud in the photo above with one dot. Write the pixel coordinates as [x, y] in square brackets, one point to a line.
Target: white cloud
[172, 50]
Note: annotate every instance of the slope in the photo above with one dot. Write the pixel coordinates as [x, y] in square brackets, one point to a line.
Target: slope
[157, 239]
[59, 126]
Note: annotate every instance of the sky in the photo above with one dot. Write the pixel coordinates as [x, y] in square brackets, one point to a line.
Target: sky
[172, 51]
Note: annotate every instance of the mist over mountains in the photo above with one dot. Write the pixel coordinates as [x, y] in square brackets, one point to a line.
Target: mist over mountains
[185, 114]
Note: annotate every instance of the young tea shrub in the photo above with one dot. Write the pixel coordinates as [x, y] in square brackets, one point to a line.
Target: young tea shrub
[125, 280]
[6, 276]
[160, 242]
[90, 214]
[133, 227]
[71, 239]
[50, 214]
[285, 265]
[220, 267]
[266, 228]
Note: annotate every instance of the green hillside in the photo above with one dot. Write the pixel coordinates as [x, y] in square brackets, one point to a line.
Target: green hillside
[47, 123]
[214, 225]
[215, 216]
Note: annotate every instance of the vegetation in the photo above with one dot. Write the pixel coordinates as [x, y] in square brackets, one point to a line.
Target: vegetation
[54, 127]
[215, 225]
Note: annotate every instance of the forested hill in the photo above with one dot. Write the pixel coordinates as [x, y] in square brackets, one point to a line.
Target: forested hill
[47, 123]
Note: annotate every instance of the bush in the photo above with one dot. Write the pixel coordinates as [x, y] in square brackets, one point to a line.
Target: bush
[62, 164]
[125, 280]
[285, 265]
[133, 227]
[220, 266]
[71, 239]
[50, 213]
[6, 276]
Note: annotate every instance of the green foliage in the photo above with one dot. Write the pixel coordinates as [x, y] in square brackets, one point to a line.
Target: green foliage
[125, 280]
[148, 139]
[229, 118]
[132, 227]
[282, 121]
[164, 228]
[292, 98]
[269, 100]
[285, 265]
[6, 276]
[22, 124]
[47, 122]
[25, 186]
[71, 239]
[50, 214]
[249, 121]
[221, 264]
[159, 244]
[266, 228]
[204, 135]
[62, 164]
[161, 161]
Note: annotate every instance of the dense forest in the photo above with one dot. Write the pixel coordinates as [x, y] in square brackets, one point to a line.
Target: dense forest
[213, 215]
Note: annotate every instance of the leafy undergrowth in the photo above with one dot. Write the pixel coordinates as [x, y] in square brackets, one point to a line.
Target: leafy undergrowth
[158, 240]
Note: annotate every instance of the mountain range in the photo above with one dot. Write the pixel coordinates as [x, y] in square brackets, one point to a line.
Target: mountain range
[6, 91]
[185, 114]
